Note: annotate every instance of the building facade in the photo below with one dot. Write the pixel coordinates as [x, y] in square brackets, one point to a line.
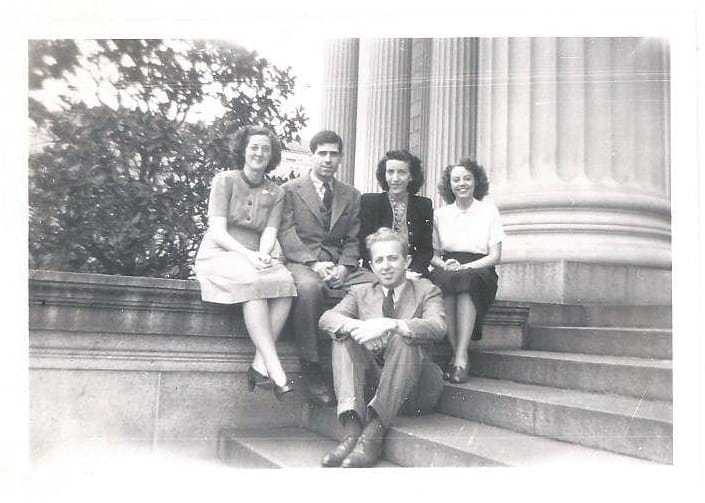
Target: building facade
[573, 133]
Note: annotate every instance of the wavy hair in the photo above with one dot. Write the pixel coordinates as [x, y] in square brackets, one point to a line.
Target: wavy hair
[326, 136]
[415, 169]
[482, 184]
[239, 140]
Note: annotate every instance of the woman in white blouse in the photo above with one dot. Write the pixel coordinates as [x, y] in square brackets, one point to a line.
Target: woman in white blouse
[467, 243]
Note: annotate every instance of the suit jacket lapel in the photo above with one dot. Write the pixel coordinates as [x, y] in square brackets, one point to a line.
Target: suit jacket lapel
[378, 299]
[405, 308]
[310, 197]
[340, 201]
[387, 215]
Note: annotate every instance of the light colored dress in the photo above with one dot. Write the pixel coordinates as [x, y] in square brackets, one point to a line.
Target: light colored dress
[227, 277]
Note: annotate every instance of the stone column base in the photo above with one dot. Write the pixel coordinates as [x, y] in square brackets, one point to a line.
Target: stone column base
[569, 282]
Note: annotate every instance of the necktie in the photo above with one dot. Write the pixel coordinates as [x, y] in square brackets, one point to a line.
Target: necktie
[327, 196]
[388, 304]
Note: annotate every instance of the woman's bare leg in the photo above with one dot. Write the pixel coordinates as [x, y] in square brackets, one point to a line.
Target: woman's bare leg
[257, 316]
[278, 313]
[449, 303]
[465, 322]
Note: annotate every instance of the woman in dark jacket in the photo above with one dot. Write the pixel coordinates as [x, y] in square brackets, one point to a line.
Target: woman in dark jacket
[400, 175]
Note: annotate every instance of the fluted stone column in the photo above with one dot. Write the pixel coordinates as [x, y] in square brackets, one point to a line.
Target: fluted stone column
[420, 100]
[339, 98]
[574, 135]
[452, 106]
[384, 90]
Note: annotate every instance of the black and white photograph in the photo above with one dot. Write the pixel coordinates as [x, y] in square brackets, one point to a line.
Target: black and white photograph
[459, 250]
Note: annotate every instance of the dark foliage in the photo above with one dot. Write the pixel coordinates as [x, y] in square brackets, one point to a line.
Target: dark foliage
[124, 189]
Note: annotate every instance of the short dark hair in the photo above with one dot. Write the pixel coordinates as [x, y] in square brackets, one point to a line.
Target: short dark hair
[239, 140]
[411, 160]
[482, 184]
[387, 234]
[325, 136]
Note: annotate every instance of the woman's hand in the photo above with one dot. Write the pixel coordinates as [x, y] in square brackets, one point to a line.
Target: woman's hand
[452, 265]
[259, 260]
[265, 258]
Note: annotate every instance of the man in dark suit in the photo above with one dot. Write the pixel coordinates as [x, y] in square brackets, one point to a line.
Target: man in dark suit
[319, 237]
[383, 327]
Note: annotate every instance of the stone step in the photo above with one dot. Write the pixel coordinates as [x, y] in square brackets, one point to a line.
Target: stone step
[600, 315]
[621, 375]
[614, 341]
[626, 425]
[287, 447]
[438, 440]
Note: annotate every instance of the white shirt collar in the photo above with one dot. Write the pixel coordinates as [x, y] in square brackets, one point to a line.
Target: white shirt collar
[318, 183]
[397, 290]
[475, 204]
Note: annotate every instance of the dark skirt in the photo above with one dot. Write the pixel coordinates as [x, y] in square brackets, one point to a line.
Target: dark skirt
[481, 284]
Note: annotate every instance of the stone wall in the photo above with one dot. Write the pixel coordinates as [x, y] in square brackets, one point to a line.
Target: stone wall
[117, 359]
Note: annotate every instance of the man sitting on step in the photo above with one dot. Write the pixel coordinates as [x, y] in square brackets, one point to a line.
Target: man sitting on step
[383, 328]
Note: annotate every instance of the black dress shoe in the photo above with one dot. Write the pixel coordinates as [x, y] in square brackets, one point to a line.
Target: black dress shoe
[255, 379]
[340, 452]
[280, 391]
[368, 448]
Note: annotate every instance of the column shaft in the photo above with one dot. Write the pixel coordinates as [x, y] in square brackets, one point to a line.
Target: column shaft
[339, 98]
[420, 100]
[383, 105]
[453, 99]
[574, 135]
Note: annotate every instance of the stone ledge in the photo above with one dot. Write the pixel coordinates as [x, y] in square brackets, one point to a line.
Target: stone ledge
[79, 278]
[122, 304]
[571, 282]
[148, 361]
[95, 303]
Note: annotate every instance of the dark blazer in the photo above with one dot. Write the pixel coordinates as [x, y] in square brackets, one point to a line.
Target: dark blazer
[303, 235]
[376, 212]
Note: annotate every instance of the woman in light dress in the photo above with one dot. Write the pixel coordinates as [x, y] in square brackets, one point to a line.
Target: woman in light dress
[238, 261]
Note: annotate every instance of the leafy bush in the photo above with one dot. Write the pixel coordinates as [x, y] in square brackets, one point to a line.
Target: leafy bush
[122, 185]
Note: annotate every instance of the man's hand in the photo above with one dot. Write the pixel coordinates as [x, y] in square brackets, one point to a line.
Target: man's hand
[323, 269]
[337, 276]
[370, 330]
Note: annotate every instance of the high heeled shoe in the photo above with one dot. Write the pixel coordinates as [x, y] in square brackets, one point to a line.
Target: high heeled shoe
[447, 370]
[458, 375]
[280, 391]
[255, 379]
